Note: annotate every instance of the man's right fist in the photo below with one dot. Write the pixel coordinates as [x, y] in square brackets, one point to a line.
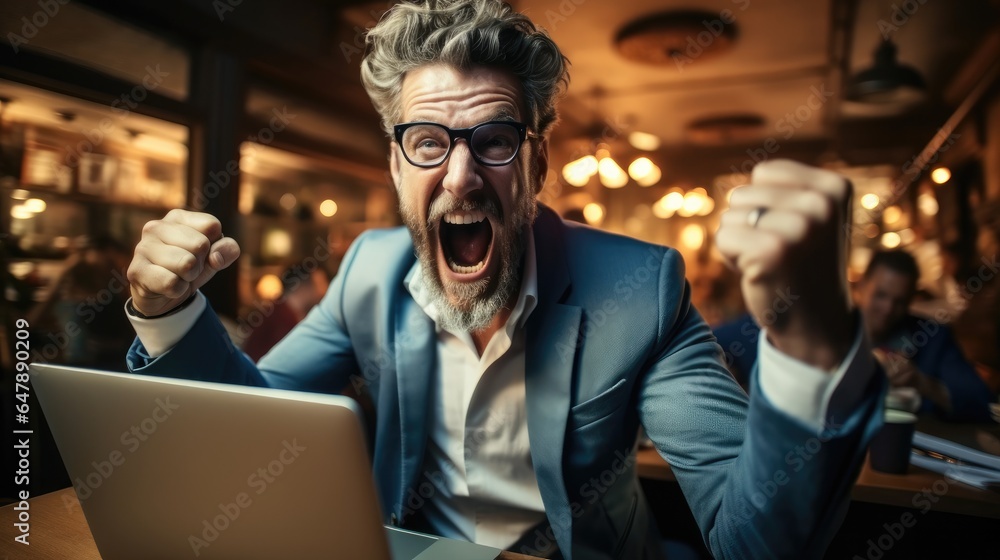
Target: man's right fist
[176, 256]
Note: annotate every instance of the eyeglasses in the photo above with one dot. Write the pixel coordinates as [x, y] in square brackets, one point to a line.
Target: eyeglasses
[493, 143]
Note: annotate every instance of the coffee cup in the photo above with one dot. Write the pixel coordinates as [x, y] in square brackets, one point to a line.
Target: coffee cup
[903, 398]
[890, 448]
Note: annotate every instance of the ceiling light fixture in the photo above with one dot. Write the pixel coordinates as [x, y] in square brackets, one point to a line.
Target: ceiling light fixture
[887, 82]
[677, 38]
[579, 171]
[642, 170]
[644, 141]
[695, 202]
[611, 174]
[720, 130]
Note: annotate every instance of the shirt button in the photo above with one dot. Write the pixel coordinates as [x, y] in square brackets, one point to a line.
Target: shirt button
[392, 520]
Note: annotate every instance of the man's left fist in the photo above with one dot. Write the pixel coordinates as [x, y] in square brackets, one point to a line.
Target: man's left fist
[787, 232]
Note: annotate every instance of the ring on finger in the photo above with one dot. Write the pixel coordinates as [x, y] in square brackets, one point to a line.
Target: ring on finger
[753, 218]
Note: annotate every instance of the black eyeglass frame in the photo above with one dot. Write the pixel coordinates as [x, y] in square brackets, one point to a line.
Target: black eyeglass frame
[462, 134]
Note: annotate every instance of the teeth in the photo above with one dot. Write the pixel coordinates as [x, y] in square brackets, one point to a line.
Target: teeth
[466, 269]
[465, 217]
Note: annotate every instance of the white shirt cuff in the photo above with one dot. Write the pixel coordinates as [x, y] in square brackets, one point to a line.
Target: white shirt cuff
[163, 333]
[806, 392]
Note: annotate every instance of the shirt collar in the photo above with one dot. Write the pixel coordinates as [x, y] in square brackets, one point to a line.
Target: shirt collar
[527, 298]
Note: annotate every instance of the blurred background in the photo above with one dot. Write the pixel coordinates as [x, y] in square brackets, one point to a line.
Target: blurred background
[113, 112]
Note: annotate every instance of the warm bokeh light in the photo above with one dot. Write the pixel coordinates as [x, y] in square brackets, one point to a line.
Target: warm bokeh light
[693, 236]
[287, 201]
[269, 287]
[328, 208]
[572, 176]
[277, 243]
[871, 231]
[661, 210]
[892, 214]
[927, 204]
[612, 175]
[890, 240]
[693, 203]
[578, 172]
[19, 194]
[707, 206]
[673, 201]
[941, 175]
[593, 213]
[35, 205]
[644, 141]
[640, 167]
[21, 212]
[644, 172]
[869, 201]
[907, 236]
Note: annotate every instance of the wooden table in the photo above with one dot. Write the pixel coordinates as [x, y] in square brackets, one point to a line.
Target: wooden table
[897, 490]
[59, 530]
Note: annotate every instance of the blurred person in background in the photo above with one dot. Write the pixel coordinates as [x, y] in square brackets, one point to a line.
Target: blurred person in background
[80, 316]
[300, 292]
[917, 352]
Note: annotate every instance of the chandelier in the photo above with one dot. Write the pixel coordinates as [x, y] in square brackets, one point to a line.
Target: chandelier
[642, 170]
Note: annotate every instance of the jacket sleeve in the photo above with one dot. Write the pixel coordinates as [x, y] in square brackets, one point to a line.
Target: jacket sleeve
[317, 354]
[760, 483]
[970, 396]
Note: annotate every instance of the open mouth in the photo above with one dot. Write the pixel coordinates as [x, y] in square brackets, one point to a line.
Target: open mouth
[466, 238]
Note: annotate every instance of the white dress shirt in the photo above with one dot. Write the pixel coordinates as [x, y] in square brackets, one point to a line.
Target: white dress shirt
[478, 456]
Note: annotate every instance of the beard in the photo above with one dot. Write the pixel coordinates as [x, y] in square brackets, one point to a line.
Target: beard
[472, 306]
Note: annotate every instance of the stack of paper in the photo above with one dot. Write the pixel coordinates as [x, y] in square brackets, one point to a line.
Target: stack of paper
[957, 462]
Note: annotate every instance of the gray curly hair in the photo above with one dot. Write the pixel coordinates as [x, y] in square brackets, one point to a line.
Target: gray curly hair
[462, 33]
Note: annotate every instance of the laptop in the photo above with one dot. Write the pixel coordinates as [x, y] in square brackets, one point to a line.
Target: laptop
[168, 468]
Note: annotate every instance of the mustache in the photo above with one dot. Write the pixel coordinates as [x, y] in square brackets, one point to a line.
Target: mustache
[447, 203]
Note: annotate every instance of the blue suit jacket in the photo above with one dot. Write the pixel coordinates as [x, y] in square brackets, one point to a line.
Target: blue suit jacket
[932, 348]
[613, 343]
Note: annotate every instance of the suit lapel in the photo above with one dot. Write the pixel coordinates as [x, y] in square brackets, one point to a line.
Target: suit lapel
[551, 334]
[415, 360]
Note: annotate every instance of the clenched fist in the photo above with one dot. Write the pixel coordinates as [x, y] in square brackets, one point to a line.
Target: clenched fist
[787, 234]
[176, 256]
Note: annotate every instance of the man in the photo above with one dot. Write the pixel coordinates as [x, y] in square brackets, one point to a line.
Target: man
[513, 356]
[917, 352]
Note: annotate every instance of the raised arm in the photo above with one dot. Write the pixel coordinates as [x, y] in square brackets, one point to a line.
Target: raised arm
[180, 336]
[771, 479]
